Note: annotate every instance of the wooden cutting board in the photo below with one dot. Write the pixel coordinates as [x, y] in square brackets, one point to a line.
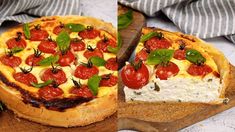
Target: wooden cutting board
[168, 117]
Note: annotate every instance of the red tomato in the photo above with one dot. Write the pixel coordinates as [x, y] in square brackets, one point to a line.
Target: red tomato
[14, 42]
[133, 78]
[47, 46]
[50, 93]
[84, 72]
[25, 78]
[91, 53]
[156, 43]
[108, 80]
[83, 91]
[58, 29]
[12, 61]
[33, 60]
[89, 34]
[58, 76]
[197, 70]
[111, 64]
[142, 55]
[179, 54]
[164, 72]
[66, 59]
[77, 45]
[38, 35]
[103, 44]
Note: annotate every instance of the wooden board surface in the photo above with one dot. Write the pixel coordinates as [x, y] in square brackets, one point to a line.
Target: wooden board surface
[169, 117]
[10, 123]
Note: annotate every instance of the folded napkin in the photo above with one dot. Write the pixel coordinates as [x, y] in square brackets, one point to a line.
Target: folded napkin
[202, 18]
[25, 10]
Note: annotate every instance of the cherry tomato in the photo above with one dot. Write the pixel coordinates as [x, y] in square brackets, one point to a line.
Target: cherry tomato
[103, 44]
[83, 91]
[111, 64]
[12, 61]
[199, 70]
[89, 34]
[50, 93]
[77, 45]
[25, 78]
[14, 42]
[33, 60]
[47, 46]
[179, 54]
[66, 59]
[84, 72]
[156, 43]
[58, 29]
[38, 34]
[108, 80]
[141, 55]
[91, 53]
[57, 75]
[135, 79]
[164, 72]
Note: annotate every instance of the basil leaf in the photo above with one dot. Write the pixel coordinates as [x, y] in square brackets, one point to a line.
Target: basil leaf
[159, 56]
[119, 45]
[49, 60]
[97, 61]
[63, 41]
[40, 85]
[26, 30]
[125, 20]
[75, 27]
[93, 84]
[150, 35]
[16, 49]
[195, 56]
[1, 106]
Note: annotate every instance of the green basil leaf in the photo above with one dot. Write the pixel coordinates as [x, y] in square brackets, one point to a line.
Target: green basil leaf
[97, 61]
[75, 27]
[26, 30]
[63, 41]
[150, 35]
[16, 49]
[49, 60]
[93, 84]
[119, 45]
[194, 56]
[125, 19]
[40, 85]
[159, 56]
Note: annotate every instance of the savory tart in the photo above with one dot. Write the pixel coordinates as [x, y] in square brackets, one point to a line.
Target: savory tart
[60, 71]
[174, 67]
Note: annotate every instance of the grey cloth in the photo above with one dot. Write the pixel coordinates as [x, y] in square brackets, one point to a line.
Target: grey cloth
[202, 18]
[26, 10]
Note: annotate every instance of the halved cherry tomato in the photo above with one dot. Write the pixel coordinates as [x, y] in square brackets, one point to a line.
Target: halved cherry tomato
[33, 60]
[179, 54]
[47, 46]
[15, 42]
[135, 78]
[89, 34]
[84, 72]
[103, 44]
[156, 43]
[94, 52]
[83, 91]
[25, 78]
[12, 61]
[58, 29]
[111, 64]
[50, 93]
[164, 72]
[199, 70]
[38, 34]
[77, 45]
[66, 59]
[141, 55]
[108, 80]
[54, 74]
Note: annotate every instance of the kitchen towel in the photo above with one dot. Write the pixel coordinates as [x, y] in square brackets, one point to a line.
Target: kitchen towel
[202, 18]
[26, 10]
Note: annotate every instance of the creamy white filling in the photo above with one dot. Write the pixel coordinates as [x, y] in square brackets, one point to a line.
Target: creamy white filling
[177, 89]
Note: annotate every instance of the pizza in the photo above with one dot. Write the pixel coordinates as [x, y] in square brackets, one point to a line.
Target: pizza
[60, 71]
[174, 67]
